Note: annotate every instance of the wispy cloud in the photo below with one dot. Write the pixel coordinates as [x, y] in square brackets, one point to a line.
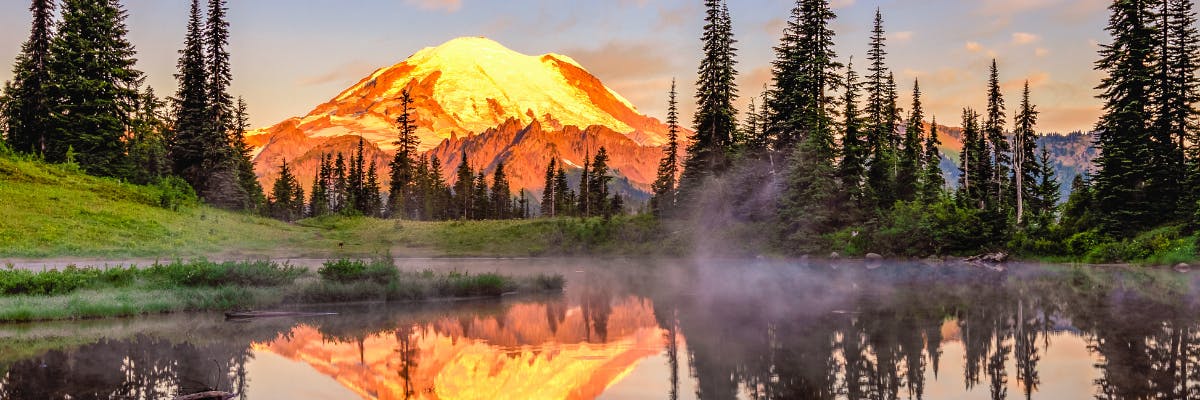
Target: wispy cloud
[343, 74]
[436, 5]
[1024, 38]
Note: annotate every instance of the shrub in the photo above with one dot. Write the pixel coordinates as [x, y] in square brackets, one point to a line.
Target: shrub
[207, 273]
[381, 270]
[174, 193]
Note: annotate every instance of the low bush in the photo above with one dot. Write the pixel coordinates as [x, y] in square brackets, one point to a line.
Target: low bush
[380, 270]
[232, 273]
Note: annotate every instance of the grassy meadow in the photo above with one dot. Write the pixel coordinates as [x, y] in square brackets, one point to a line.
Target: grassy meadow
[53, 210]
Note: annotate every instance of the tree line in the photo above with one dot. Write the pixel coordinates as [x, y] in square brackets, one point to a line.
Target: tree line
[853, 170]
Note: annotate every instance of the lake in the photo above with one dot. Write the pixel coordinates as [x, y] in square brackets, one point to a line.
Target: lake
[664, 329]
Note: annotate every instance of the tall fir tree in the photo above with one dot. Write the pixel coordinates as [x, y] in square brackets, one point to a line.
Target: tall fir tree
[564, 198]
[975, 167]
[501, 201]
[195, 149]
[318, 204]
[218, 71]
[438, 191]
[242, 158]
[1175, 96]
[372, 206]
[25, 103]
[480, 200]
[851, 167]
[464, 189]
[287, 197]
[598, 180]
[340, 196]
[402, 181]
[146, 142]
[784, 102]
[1025, 162]
[583, 201]
[932, 181]
[909, 168]
[997, 140]
[548, 195]
[1047, 193]
[812, 204]
[1123, 137]
[357, 178]
[715, 120]
[880, 168]
[93, 87]
[664, 187]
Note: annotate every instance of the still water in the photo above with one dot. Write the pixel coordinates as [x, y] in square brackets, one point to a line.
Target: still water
[628, 329]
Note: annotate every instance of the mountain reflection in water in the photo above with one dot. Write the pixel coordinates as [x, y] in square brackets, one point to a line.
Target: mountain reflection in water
[721, 330]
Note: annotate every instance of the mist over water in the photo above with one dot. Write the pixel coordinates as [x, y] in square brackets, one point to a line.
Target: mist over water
[632, 329]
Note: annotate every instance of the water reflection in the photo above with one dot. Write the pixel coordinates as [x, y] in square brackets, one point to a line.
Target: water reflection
[654, 330]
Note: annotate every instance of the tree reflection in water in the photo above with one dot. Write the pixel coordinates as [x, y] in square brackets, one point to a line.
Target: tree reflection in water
[736, 330]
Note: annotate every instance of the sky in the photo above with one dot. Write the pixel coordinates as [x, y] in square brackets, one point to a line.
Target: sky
[291, 55]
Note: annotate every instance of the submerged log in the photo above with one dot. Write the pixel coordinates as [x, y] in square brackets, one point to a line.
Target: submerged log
[271, 314]
[210, 395]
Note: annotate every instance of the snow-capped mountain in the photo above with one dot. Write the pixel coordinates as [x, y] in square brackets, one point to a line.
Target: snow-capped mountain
[463, 89]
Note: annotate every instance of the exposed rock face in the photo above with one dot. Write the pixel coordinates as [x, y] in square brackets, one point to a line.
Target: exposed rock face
[475, 94]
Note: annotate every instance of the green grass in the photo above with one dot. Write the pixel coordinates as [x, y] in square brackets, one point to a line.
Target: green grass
[201, 285]
[51, 210]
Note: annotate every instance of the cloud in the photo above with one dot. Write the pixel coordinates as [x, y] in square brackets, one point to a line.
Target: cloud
[902, 36]
[1023, 38]
[346, 73]
[436, 5]
[636, 3]
[841, 3]
[669, 18]
[1041, 52]
[617, 60]
[973, 47]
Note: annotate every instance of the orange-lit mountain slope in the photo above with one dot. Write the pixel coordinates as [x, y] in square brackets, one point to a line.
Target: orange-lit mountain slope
[461, 90]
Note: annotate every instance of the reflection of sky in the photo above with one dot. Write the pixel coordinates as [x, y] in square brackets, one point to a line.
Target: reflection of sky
[1066, 371]
[291, 55]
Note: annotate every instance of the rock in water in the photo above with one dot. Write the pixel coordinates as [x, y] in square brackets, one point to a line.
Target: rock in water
[1183, 267]
[834, 256]
[874, 257]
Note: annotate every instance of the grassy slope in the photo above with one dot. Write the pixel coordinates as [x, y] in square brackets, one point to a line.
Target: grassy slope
[55, 211]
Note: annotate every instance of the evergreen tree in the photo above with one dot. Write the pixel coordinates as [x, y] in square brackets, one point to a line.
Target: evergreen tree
[501, 203]
[372, 206]
[1079, 213]
[356, 196]
[482, 203]
[220, 75]
[1176, 93]
[932, 180]
[245, 163]
[598, 179]
[146, 143]
[403, 177]
[782, 107]
[522, 210]
[564, 198]
[1025, 162]
[975, 167]
[464, 188]
[879, 120]
[993, 130]
[854, 148]
[910, 154]
[812, 201]
[583, 202]
[195, 149]
[285, 196]
[548, 199]
[715, 119]
[318, 204]
[439, 192]
[340, 197]
[1123, 137]
[664, 189]
[1047, 193]
[25, 103]
[93, 87]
